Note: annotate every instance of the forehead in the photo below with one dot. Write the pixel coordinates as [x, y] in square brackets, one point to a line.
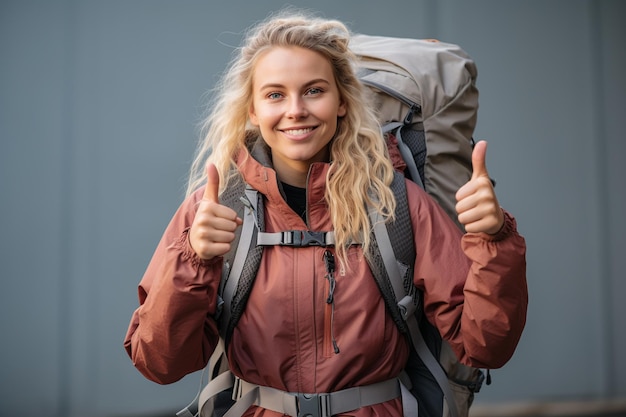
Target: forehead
[280, 65]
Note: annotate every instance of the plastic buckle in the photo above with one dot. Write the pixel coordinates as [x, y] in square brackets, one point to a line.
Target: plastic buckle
[313, 238]
[313, 405]
[303, 238]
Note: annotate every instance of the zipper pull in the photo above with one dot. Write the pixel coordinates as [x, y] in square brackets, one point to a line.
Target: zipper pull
[329, 262]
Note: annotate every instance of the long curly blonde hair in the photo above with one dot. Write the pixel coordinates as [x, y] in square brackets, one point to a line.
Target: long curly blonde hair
[361, 169]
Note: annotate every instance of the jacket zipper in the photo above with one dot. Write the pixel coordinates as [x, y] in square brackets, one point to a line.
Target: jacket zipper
[329, 312]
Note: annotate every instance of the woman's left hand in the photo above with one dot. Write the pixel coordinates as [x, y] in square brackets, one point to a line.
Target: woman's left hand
[477, 206]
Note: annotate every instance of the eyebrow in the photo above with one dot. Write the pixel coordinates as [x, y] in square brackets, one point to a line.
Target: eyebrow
[308, 84]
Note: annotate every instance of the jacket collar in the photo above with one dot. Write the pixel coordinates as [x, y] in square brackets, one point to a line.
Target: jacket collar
[255, 165]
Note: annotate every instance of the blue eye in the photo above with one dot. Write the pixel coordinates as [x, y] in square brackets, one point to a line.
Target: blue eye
[314, 91]
[274, 96]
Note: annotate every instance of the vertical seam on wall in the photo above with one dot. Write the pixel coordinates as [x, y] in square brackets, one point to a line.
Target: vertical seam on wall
[65, 331]
[94, 311]
[598, 56]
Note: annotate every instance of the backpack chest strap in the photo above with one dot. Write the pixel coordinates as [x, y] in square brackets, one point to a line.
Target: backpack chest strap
[296, 238]
[312, 405]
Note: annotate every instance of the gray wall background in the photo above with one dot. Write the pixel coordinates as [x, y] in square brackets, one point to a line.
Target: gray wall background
[99, 103]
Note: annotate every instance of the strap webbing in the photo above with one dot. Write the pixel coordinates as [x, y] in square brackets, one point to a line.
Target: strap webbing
[432, 364]
[317, 405]
[296, 238]
[409, 403]
[407, 308]
[405, 151]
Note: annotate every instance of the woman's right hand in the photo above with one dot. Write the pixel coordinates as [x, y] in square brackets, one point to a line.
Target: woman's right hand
[213, 228]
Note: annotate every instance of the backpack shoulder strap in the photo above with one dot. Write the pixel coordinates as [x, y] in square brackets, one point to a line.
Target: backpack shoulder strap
[242, 262]
[392, 259]
[397, 254]
[233, 269]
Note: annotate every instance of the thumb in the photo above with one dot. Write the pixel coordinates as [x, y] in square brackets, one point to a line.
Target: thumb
[212, 184]
[479, 167]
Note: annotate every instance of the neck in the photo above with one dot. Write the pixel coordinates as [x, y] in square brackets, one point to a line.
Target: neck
[292, 174]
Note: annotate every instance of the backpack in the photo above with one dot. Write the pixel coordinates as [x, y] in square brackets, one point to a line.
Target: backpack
[426, 96]
[427, 101]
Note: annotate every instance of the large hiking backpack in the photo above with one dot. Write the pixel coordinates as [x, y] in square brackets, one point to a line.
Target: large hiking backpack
[427, 101]
[427, 104]
[426, 96]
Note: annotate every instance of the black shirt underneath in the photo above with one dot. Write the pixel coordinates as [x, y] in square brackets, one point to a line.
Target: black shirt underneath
[296, 199]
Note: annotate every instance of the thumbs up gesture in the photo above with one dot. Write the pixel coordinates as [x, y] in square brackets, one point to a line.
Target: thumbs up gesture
[477, 206]
[213, 228]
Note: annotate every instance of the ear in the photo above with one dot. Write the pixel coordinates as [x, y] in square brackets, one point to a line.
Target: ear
[252, 115]
[342, 110]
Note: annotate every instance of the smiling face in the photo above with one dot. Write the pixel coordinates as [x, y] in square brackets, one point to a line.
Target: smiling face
[295, 105]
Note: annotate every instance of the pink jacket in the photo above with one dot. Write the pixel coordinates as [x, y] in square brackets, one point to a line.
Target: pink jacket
[474, 285]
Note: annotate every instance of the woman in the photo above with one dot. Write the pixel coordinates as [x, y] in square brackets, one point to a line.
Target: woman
[291, 120]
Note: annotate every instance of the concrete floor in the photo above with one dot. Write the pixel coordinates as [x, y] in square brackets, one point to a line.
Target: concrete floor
[595, 408]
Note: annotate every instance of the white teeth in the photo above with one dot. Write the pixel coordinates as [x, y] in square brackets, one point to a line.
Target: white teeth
[297, 132]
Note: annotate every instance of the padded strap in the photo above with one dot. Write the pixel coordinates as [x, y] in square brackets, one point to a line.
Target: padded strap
[247, 230]
[407, 156]
[391, 265]
[407, 307]
[405, 151]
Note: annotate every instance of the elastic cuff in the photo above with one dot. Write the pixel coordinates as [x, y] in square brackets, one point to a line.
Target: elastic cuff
[188, 254]
[508, 227]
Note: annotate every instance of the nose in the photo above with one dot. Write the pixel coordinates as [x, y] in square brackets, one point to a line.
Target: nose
[296, 109]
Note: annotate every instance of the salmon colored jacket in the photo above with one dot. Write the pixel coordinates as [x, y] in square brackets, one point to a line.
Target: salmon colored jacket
[474, 288]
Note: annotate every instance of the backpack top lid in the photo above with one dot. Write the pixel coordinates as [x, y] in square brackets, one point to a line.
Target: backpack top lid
[428, 73]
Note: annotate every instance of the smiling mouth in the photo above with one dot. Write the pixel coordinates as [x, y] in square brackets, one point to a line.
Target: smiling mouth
[298, 132]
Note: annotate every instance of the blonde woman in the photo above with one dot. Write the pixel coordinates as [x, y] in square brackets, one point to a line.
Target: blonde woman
[291, 121]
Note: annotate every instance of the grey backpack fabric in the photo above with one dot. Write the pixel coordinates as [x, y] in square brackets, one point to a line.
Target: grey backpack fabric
[426, 97]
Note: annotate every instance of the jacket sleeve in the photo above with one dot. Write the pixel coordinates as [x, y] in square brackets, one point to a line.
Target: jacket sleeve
[475, 290]
[173, 332]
